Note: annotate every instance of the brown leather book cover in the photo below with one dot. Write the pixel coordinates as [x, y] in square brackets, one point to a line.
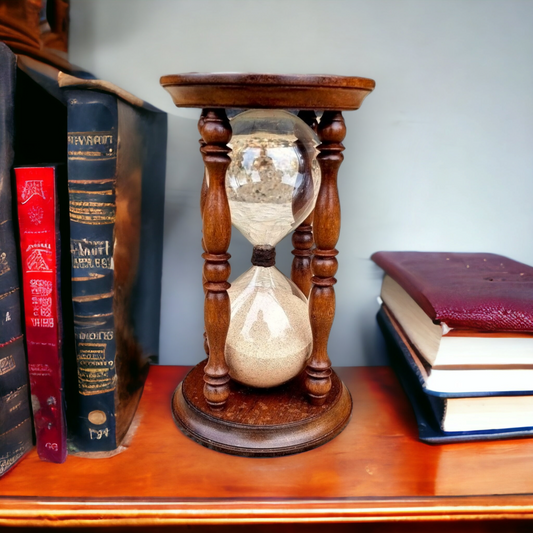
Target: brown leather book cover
[474, 291]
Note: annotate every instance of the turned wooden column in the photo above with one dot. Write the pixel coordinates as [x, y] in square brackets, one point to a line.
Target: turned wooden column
[203, 191]
[326, 227]
[216, 133]
[302, 238]
[203, 194]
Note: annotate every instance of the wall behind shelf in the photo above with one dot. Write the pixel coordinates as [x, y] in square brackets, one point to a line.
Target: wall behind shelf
[438, 158]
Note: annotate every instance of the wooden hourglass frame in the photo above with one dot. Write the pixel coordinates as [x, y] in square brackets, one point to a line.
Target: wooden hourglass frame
[314, 407]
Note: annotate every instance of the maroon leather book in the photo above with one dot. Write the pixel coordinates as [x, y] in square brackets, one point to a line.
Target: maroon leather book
[473, 291]
[39, 247]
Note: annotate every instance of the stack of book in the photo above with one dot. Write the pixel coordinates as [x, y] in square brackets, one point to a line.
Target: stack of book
[83, 164]
[459, 330]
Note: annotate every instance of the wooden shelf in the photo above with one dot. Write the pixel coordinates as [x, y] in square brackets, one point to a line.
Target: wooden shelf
[376, 470]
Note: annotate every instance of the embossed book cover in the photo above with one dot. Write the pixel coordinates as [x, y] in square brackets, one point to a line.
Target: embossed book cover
[40, 250]
[462, 310]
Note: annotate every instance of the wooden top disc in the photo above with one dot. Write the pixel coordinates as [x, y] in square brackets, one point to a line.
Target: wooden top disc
[267, 91]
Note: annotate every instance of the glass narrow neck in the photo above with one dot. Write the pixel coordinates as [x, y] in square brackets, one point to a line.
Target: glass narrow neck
[264, 255]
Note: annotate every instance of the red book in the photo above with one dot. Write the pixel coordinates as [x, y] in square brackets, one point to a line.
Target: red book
[462, 311]
[38, 214]
[474, 291]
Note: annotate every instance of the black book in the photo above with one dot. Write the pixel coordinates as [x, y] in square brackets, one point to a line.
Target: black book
[15, 417]
[434, 413]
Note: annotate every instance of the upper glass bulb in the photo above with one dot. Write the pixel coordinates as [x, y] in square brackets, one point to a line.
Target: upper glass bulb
[273, 179]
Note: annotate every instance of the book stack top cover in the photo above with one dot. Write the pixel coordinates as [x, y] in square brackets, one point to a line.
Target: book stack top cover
[471, 291]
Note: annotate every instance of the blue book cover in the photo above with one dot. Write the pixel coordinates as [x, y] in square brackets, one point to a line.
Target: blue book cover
[429, 409]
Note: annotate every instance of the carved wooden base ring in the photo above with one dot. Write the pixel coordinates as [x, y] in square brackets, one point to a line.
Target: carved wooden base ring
[260, 422]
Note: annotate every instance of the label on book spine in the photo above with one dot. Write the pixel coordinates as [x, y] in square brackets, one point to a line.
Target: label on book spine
[10, 319]
[12, 366]
[92, 145]
[37, 211]
[15, 419]
[96, 360]
[14, 444]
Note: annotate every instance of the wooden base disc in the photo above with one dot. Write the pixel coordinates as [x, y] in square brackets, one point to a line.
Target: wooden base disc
[260, 422]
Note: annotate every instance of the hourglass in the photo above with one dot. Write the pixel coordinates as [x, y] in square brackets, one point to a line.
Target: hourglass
[267, 387]
[271, 183]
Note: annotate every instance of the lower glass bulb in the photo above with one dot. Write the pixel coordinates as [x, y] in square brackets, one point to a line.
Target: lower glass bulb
[269, 338]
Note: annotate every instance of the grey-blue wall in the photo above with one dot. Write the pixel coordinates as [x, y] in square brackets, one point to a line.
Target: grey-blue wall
[439, 157]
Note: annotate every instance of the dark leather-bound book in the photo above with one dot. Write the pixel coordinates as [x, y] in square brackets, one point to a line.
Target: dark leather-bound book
[39, 189]
[116, 168]
[475, 291]
[462, 310]
[15, 417]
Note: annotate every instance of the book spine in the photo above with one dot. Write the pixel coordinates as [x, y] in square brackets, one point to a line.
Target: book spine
[40, 255]
[409, 375]
[15, 419]
[92, 160]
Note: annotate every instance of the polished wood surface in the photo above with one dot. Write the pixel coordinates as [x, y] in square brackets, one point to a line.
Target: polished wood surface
[494, 526]
[261, 422]
[376, 469]
[267, 91]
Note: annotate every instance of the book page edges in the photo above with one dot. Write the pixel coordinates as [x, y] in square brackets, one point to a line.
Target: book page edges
[488, 413]
[418, 326]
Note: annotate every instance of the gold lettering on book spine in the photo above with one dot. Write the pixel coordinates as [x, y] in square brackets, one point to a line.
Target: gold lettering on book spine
[8, 462]
[91, 146]
[7, 364]
[96, 373]
[93, 213]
